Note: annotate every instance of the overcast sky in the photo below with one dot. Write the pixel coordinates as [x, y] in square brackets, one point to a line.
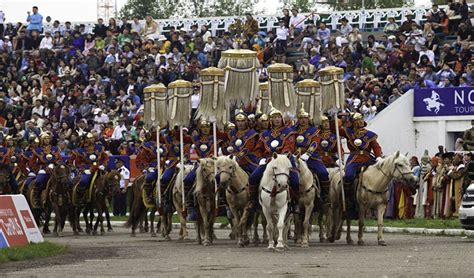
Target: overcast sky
[86, 10]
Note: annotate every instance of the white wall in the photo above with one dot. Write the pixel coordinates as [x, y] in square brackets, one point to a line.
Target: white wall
[397, 129]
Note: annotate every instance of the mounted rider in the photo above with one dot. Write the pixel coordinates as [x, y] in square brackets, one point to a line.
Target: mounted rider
[278, 139]
[9, 158]
[307, 140]
[364, 151]
[327, 147]
[147, 162]
[89, 159]
[242, 143]
[46, 156]
[263, 122]
[203, 144]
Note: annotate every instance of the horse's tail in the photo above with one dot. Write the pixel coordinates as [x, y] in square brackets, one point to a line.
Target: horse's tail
[137, 208]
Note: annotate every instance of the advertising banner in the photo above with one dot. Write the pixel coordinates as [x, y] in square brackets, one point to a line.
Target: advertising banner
[455, 101]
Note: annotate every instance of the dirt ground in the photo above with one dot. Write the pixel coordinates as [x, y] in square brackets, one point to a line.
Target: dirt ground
[117, 254]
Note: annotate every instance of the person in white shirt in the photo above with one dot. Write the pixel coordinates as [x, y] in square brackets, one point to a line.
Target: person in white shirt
[296, 23]
[38, 109]
[100, 119]
[210, 45]
[2, 21]
[429, 53]
[136, 25]
[120, 200]
[118, 131]
[282, 34]
[47, 41]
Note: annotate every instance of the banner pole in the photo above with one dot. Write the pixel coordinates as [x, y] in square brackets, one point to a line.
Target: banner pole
[339, 153]
[158, 166]
[181, 147]
[214, 127]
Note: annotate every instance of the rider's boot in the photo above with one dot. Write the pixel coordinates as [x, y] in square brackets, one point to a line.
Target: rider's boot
[325, 193]
[253, 202]
[351, 212]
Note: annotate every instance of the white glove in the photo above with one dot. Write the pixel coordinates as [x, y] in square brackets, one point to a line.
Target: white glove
[102, 167]
[51, 166]
[304, 157]
[263, 161]
[378, 159]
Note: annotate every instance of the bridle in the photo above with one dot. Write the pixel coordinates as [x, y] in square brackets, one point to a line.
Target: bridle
[281, 188]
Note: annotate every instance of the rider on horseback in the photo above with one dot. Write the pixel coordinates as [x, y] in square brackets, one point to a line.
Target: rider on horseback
[89, 159]
[242, 143]
[147, 162]
[327, 147]
[46, 156]
[9, 156]
[364, 151]
[307, 141]
[278, 139]
[263, 122]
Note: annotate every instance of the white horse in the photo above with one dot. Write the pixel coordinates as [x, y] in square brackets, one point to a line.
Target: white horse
[178, 201]
[235, 181]
[205, 195]
[307, 196]
[372, 191]
[274, 199]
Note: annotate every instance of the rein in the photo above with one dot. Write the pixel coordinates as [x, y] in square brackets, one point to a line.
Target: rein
[274, 190]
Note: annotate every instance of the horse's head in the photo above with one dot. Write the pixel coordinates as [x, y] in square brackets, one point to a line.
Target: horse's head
[280, 167]
[112, 181]
[4, 181]
[401, 168]
[206, 169]
[61, 174]
[226, 166]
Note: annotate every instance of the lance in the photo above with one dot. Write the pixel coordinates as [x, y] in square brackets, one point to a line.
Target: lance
[214, 131]
[181, 168]
[158, 166]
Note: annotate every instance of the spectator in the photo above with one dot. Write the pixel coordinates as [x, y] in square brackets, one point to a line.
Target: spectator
[296, 23]
[120, 200]
[35, 21]
[391, 27]
[250, 26]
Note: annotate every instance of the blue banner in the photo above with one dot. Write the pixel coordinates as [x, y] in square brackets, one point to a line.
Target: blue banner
[455, 101]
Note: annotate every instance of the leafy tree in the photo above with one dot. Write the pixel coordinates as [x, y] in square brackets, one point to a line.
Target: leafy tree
[368, 4]
[303, 6]
[158, 9]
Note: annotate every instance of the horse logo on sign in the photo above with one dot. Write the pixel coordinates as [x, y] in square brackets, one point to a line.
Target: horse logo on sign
[434, 102]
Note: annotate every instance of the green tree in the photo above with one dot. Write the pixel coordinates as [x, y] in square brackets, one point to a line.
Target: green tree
[158, 9]
[368, 4]
[161, 9]
[303, 6]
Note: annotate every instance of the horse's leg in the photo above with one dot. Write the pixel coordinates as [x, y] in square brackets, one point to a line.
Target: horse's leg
[322, 226]
[298, 227]
[237, 226]
[85, 214]
[268, 216]
[380, 213]
[256, 239]
[47, 217]
[107, 216]
[348, 236]
[101, 207]
[57, 221]
[205, 221]
[362, 212]
[152, 222]
[265, 231]
[281, 226]
[306, 224]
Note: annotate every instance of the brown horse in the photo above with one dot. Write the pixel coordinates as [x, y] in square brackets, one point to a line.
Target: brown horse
[104, 186]
[5, 186]
[58, 197]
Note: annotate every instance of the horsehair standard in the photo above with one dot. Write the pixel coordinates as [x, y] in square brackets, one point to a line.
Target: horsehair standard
[241, 77]
[332, 87]
[308, 92]
[280, 86]
[155, 110]
[212, 104]
[179, 101]
[263, 98]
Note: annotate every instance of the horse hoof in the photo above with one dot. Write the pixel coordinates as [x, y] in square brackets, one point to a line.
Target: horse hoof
[167, 237]
[382, 243]
[153, 234]
[330, 239]
[76, 233]
[46, 231]
[102, 233]
[271, 248]
[265, 241]
[206, 243]
[240, 244]
[142, 231]
[94, 233]
[56, 234]
[61, 234]
[80, 230]
[361, 242]
[350, 242]
[256, 241]
[246, 242]
[110, 230]
[88, 231]
[231, 236]
[198, 241]
[286, 247]
[133, 235]
[304, 245]
[323, 240]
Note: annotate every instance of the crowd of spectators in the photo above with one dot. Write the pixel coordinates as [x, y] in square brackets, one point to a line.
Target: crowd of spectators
[61, 79]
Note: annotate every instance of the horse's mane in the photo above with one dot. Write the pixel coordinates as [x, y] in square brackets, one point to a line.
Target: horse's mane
[239, 172]
[304, 171]
[200, 183]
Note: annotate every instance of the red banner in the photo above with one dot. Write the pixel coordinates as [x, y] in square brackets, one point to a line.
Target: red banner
[10, 223]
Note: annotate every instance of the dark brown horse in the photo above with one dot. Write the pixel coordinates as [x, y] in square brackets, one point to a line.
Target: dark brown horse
[5, 183]
[105, 185]
[59, 197]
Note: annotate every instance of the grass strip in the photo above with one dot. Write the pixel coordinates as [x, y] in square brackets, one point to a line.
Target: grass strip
[32, 251]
